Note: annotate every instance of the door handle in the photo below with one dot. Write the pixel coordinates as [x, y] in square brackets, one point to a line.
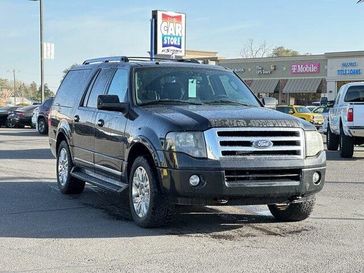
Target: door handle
[76, 118]
[100, 122]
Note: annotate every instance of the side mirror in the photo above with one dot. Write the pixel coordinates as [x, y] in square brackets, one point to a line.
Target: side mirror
[111, 103]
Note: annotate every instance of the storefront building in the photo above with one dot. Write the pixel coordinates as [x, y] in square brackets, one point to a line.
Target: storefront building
[299, 79]
[343, 67]
[291, 80]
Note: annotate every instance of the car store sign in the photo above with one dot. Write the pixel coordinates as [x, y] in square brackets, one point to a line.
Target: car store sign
[169, 33]
[305, 68]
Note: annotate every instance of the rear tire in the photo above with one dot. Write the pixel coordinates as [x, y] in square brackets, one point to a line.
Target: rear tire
[346, 145]
[42, 126]
[67, 184]
[10, 124]
[149, 208]
[332, 140]
[292, 212]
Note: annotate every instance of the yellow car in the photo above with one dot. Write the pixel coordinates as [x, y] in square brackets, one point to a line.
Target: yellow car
[303, 113]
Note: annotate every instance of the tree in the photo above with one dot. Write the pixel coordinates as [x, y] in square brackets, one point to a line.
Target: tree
[47, 93]
[281, 51]
[251, 50]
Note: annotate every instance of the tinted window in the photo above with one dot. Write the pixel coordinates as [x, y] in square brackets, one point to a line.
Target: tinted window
[355, 94]
[119, 84]
[72, 87]
[99, 87]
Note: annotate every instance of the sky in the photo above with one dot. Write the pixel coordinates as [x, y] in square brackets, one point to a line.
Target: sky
[82, 29]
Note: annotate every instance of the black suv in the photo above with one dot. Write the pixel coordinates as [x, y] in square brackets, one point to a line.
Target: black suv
[42, 118]
[179, 132]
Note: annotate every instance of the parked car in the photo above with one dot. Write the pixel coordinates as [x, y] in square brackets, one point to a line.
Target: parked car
[346, 120]
[4, 112]
[35, 117]
[42, 116]
[303, 113]
[324, 111]
[20, 117]
[179, 132]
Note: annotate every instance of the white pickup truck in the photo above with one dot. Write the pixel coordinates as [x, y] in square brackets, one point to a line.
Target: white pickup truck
[346, 120]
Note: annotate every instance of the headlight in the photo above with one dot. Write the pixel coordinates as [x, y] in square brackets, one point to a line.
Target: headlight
[191, 143]
[314, 143]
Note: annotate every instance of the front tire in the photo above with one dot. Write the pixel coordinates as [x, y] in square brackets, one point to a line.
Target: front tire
[149, 208]
[42, 126]
[332, 140]
[346, 145]
[292, 212]
[66, 183]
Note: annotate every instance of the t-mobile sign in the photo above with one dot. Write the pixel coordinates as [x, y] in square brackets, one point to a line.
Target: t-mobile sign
[305, 68]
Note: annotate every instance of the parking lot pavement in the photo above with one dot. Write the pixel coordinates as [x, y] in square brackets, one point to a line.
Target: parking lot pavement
[44, 231]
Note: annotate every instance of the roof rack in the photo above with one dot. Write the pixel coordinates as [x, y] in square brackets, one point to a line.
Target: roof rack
[126, 59]
[107, 60]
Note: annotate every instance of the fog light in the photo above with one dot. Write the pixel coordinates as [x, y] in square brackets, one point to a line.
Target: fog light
[316, 178]
[194, 180]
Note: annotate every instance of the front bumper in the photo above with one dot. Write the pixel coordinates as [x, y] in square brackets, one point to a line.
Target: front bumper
[214, 188]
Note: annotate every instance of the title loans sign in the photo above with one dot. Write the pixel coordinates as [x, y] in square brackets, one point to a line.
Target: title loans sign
[170, 33]
[305, 68]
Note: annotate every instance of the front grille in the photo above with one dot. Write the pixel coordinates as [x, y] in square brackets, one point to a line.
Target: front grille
[241, 142]
[262, 177]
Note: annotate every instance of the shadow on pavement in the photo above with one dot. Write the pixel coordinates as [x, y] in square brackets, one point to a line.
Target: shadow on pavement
[26, 154]
[20, 132]
[38, 210]
[335, 155]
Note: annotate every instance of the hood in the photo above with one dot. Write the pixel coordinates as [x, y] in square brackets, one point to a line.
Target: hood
[203, 117]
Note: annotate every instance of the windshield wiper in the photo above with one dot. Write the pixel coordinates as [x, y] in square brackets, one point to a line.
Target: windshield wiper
[227, 101]
[170, 101]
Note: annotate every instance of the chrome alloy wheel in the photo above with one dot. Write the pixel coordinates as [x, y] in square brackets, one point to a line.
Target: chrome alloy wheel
[62, 167]
[141, 192]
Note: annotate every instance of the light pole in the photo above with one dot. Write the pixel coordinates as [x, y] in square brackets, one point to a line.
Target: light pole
[41, 48]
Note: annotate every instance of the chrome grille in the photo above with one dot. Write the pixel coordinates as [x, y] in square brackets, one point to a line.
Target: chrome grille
[239, 142]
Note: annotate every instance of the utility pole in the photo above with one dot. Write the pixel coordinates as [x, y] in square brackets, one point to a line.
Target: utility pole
[41, 47]
[14, 87]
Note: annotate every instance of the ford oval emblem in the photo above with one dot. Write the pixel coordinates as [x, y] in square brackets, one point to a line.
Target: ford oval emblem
[262, 144]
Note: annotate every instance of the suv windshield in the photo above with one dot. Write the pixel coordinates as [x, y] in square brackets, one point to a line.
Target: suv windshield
[181, 85]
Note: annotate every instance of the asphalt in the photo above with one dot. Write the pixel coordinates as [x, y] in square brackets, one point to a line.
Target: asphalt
[42, 230]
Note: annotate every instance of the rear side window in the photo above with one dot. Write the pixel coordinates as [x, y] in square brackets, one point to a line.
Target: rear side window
[72, 87]
[355, 94]
[99, 87]
[119, 84]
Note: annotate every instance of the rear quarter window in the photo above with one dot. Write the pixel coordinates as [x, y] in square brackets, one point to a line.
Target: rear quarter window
[72, 87]
[355, 94]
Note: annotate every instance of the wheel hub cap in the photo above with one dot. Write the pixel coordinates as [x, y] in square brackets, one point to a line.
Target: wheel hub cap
[141, 192]
[62, 166]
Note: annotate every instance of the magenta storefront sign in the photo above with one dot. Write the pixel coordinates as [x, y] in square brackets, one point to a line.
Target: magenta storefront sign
[305, 68]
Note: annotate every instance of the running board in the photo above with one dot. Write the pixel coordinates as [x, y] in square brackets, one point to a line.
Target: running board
[98, 182]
